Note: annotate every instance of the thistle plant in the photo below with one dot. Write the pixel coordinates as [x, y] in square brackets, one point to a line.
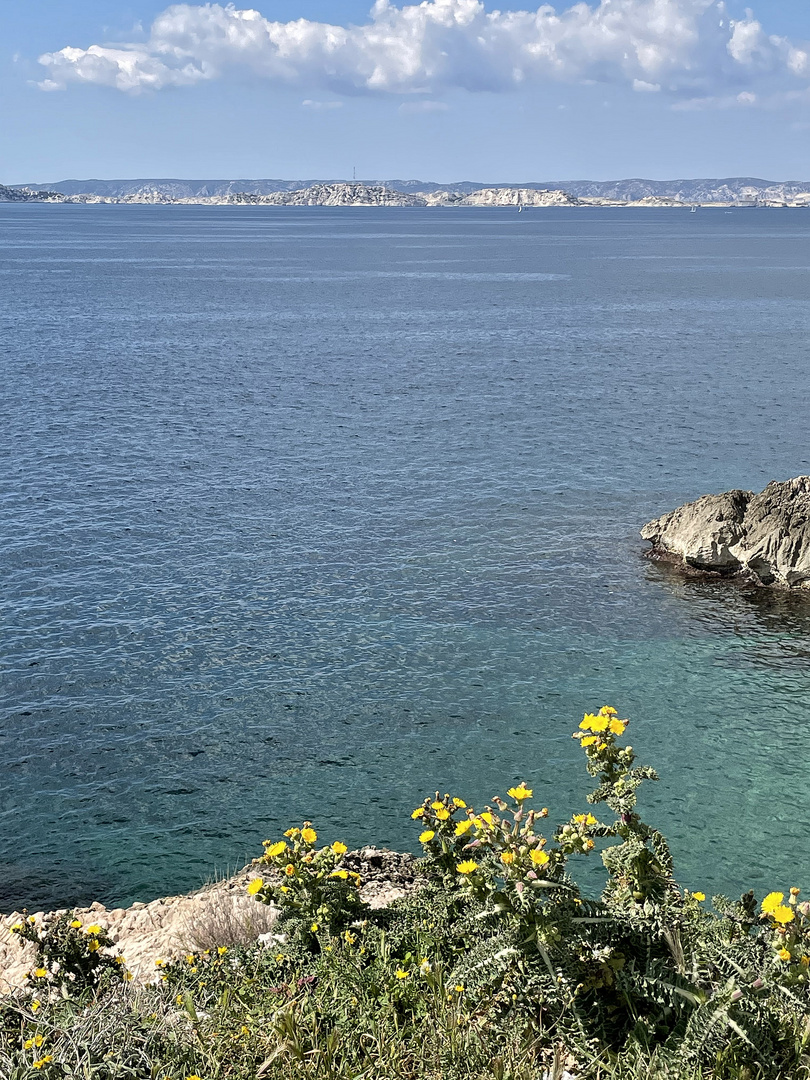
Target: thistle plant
[69, 954]
[309, 885]
[788, 927]
[497, 964]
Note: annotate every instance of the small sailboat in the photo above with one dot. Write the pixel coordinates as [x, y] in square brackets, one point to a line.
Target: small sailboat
[693, 210]
[520, 201]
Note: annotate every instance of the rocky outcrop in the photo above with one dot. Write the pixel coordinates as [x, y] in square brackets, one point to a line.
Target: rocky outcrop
[502, 196]
[8, 194]
[219, 914]
[335, 195]
[763, 538]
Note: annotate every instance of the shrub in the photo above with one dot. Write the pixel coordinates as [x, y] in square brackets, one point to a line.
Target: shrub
[69, 954]
[498, 966]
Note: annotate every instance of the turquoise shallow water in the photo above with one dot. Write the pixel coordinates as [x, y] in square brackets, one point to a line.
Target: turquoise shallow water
[307, 513]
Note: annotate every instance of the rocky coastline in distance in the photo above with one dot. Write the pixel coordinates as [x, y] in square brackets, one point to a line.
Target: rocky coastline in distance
[733, 192]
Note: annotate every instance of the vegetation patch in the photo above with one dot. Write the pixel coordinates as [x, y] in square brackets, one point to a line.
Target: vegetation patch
[499, 966]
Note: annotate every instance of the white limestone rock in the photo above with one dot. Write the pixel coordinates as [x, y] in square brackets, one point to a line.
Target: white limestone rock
[764, 538]
[702, 533]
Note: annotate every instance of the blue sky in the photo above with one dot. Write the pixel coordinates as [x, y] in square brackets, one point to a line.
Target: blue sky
[445, 90]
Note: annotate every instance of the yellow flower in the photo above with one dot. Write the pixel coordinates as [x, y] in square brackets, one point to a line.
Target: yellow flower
[783, 914]
[783, 954]
[772, 902]
[487, 818]
[94, 929]
[290, 833]
[467, 866]
[617, 727]
[607, 710]
[16, 928]
[584, 819]
[274, 850]
[222, 949]
[41, 973]
[459, 989]
[255, 886]
[599, 723]
[459, 804]
[589, 740]
[418, 812]
[93, 945]
[314, 928]
[342, 874]
[507, 857]
[349, 937]
[338, 848]
[289, 870]
[36, 1041]
[539, 858]
[443, 814]
[586, 721]
[76, 924]
[805, 962]
[401, 974]
[428, 834]
[35, 1005]
[520, 792]
[309, 836]
[463, 827]
[44, 1061]
[699, 896]
[437, 806]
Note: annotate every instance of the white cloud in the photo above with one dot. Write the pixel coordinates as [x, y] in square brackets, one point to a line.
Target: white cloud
[309, 104]
[688, 48]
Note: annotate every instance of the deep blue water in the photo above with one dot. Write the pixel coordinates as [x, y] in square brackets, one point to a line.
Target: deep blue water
[308, 513]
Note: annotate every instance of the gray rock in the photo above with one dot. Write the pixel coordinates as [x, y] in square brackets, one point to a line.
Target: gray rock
[764, 538]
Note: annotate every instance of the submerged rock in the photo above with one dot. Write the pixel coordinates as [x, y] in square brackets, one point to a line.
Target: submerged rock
[763, 538]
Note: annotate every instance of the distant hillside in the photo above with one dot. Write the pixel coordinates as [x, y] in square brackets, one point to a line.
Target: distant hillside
[730, 189]
[42, 194]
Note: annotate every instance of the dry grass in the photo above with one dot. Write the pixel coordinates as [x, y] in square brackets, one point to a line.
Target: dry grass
[228, 918]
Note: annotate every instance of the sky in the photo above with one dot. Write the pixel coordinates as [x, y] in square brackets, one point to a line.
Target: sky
[441, 90]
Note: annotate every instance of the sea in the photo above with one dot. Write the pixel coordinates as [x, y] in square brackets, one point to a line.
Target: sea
[310, 512]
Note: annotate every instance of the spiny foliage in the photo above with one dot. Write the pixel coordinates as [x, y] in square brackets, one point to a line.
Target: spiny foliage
[496, 966]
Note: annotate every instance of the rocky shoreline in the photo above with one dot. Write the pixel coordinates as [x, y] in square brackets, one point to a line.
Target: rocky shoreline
[218, 914]
[759, 539]
[381, 195]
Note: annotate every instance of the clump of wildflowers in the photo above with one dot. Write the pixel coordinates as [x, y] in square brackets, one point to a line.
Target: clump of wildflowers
[788, 924]
[308, 882]
[69, 954]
